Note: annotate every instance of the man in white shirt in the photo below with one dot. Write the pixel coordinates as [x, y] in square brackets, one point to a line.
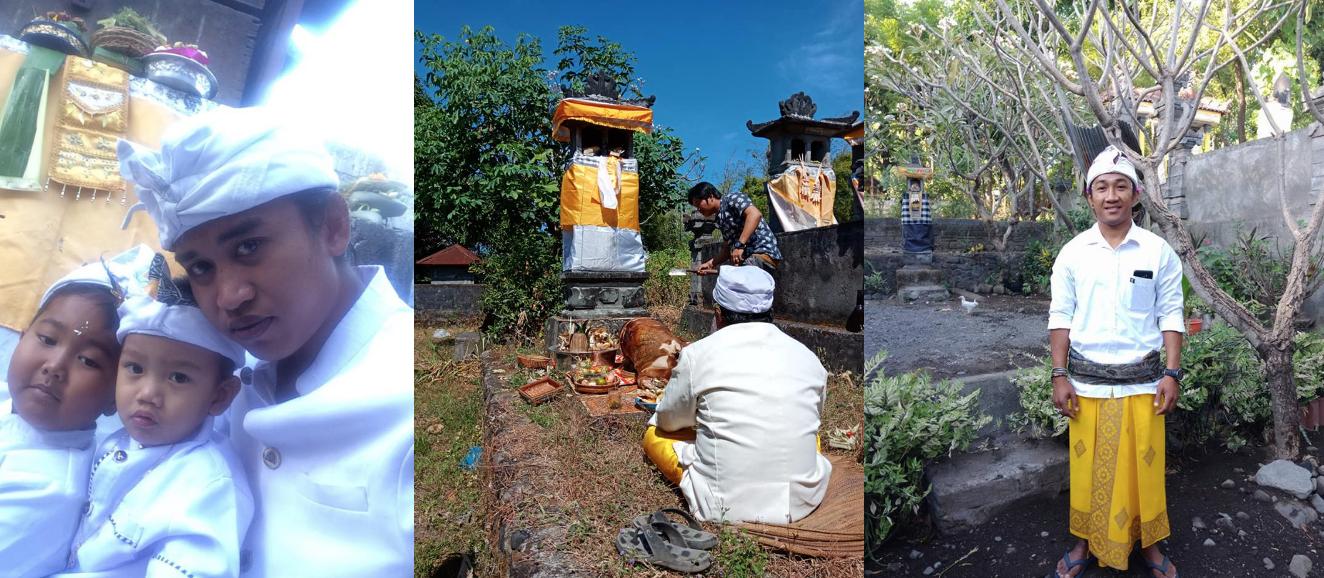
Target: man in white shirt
[323, 423]
[1116, 299]
[737, 425]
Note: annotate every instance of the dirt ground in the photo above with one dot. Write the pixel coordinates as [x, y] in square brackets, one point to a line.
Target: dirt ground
[577, 482]
[941, 337]
[1013, 544]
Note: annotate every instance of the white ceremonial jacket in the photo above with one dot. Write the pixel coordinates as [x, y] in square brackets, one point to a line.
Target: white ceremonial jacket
[43, 482]
[333, 469]
[1116, 316]
[753, 396]
[163, 511]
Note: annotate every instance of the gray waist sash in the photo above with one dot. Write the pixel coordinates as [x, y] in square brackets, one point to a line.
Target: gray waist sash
[1147, 370]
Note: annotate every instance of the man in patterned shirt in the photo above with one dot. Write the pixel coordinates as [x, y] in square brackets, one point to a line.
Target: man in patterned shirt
[747, 240]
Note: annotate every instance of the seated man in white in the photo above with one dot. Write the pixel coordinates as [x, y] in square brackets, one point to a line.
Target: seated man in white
[737, 425]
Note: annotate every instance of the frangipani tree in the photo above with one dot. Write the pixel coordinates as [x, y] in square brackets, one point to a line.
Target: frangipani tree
[1113, 55]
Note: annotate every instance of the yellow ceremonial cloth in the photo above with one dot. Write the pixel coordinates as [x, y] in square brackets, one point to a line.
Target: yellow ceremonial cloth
[855, 136]
[659, 449]
[581, 203]
[43, 236]
[622, 116]
[1117, 489]
[90, 120]
[811, 192]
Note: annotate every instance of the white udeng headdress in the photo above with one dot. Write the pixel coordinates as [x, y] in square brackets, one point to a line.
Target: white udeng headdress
[219, 163]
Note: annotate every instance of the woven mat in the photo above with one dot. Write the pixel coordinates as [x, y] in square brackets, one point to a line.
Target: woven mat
[835, 529]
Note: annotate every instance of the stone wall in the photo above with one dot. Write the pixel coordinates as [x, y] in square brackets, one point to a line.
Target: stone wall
[1239, 184]
[821, 273]
[952, 239]
[448, 299]
[377, 244]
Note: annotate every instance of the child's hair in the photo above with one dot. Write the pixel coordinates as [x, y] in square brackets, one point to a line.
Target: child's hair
[703, 191]
[100, 295]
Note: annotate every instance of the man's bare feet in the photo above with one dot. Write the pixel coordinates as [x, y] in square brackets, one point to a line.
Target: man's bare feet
[1079, 552]
[1155, 557]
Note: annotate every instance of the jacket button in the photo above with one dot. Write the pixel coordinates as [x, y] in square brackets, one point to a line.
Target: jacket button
[271, 458]
[120, 456]
[246, 375]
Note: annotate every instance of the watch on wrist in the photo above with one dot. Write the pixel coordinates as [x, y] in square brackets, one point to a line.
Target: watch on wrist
[737, 244]
[1176, 374]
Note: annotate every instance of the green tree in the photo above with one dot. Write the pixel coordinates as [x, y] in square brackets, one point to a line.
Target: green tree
[488, 170]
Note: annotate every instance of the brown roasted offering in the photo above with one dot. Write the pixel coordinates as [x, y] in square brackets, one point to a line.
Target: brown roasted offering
[651, 348]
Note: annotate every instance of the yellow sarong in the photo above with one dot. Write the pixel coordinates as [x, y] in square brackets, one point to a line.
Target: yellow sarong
[659, 449]
[1117, 487]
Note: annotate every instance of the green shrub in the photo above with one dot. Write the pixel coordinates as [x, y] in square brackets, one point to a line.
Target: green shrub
[661, 288]
[874, 281]
[1039, 417]
[523, 287]
[909, 421]
[1224, 396]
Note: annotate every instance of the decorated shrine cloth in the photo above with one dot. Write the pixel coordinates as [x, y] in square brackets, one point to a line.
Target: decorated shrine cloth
[91, 117]
[1117, 490]
[622, 116]
[803, 197]
[915, 213]
[592, 248]
[21, 128]
[584, 197]
[45, 236]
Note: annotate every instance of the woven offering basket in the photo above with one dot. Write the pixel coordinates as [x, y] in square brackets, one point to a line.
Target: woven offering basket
[532, 361]
[123, 40]
[541, 390]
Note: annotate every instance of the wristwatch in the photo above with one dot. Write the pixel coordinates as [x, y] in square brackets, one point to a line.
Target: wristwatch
[1176, 374]
[736, 244]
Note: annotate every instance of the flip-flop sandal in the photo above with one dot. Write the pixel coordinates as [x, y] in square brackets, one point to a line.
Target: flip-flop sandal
[692, 532]
[1066, 558]
[1163, 569]
[662, 549]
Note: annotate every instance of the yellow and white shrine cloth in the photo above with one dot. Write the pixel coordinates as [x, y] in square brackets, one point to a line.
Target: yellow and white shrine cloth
[1117, 476]
[45, 236]
[622, 116]
[91, 117]
[600, 215]
[803, 197]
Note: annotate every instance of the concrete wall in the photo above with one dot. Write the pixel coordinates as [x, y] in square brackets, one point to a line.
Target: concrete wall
[821, 273]
[952, 240]
[451, 299]
[1240, 183]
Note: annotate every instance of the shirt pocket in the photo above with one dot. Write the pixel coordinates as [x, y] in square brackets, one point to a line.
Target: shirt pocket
[1142, 295]
[337, 496]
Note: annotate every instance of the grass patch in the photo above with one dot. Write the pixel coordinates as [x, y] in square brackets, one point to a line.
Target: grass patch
[448, 399]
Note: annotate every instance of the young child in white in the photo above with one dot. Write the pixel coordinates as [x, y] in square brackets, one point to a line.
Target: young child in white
[60, 379]
[168, 496]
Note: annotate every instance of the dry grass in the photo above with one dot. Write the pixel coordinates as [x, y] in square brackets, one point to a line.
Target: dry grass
[589, 477]
[448, 512]
[592, 478]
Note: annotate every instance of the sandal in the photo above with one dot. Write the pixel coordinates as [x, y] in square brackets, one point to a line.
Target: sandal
[662, 549]
[1161, 569]
[1066, 559]
[694, 535]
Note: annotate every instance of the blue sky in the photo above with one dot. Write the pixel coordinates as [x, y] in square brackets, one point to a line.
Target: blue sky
[713, 65]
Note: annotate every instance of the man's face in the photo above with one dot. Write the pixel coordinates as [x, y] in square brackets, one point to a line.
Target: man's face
[62, 373]
[1111, 196]
[263, 277]
[166, 388]
[708, 207]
